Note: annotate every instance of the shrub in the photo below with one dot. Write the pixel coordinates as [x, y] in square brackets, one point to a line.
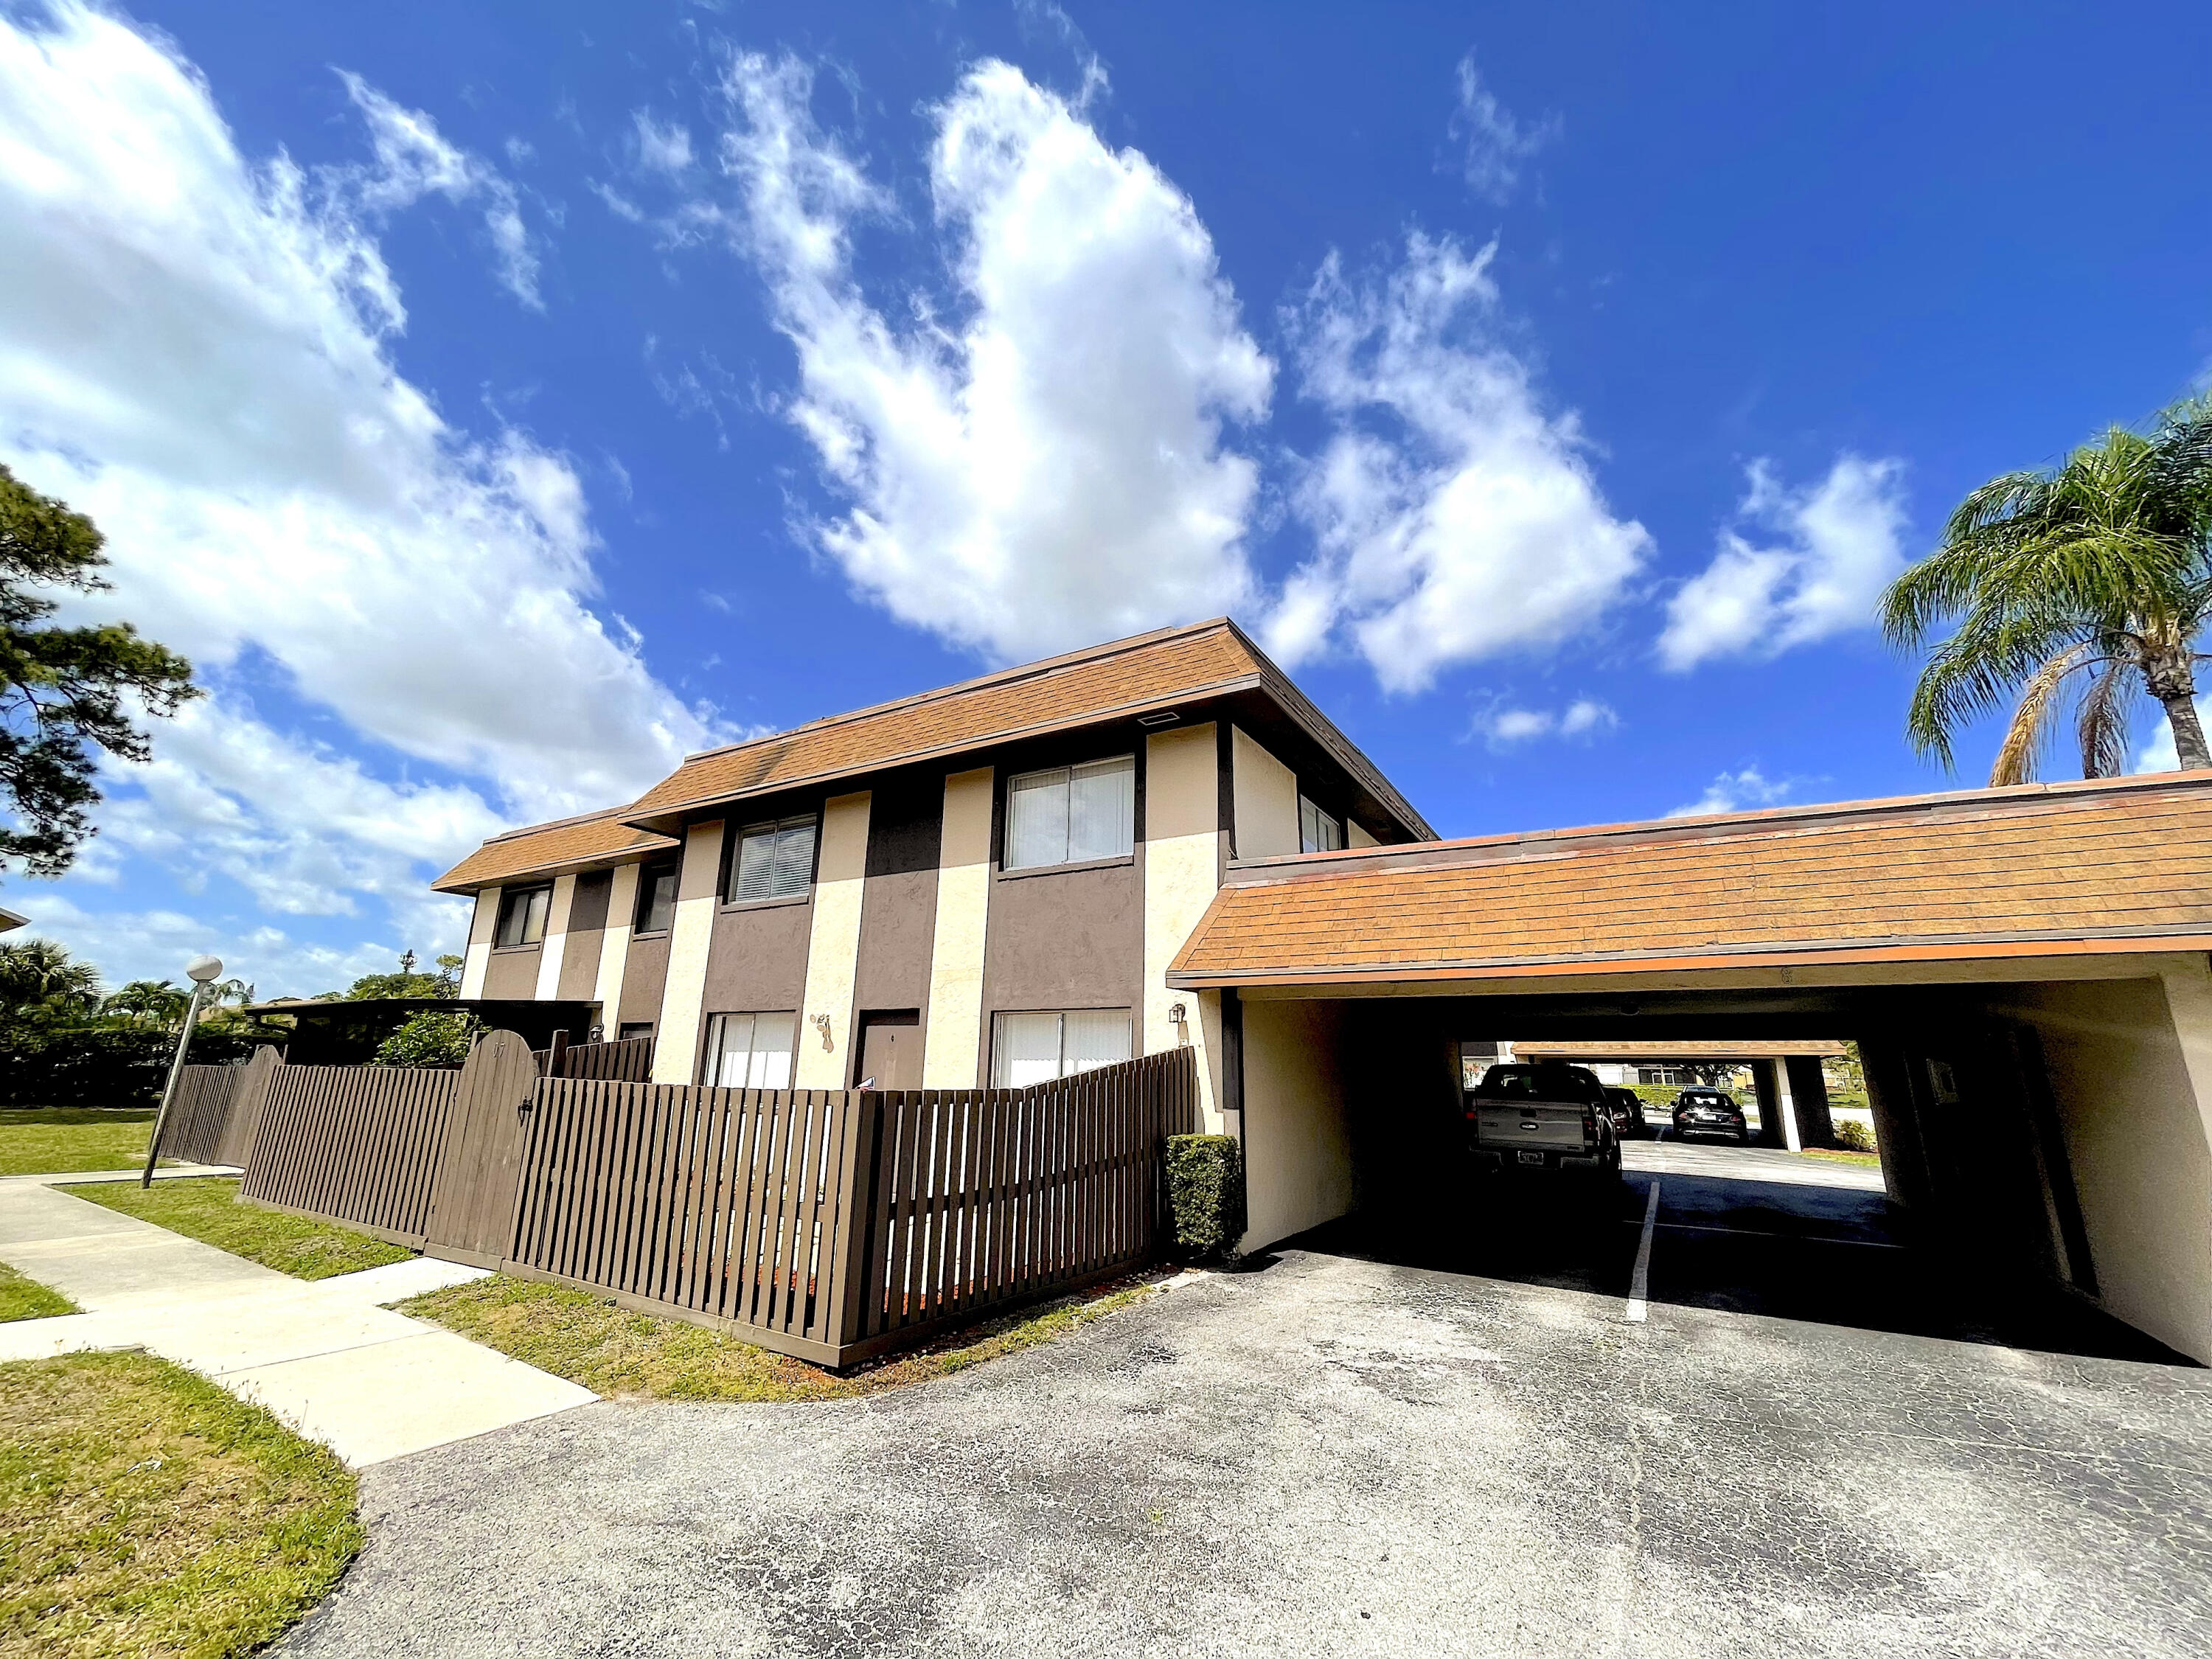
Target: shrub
[1854, 1136]
[47, 1060]
[433, 1039]
[1206, 1195]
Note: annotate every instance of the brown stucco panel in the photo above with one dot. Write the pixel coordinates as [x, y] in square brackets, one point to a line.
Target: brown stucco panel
[757, 958]
[643, 979]
[580, 963]
[513, 973]
[1072, 940]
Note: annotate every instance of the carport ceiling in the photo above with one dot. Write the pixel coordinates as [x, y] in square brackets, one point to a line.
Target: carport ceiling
[2054, 880]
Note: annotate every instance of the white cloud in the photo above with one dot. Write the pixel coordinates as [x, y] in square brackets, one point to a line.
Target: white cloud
[1841, 544]
[194, 349]
[414, 159]
[1504, 725]
[1498, 146]
[1043, 465]
[1737, 791]
[1456, 520]
[662, 149]
[155, 944]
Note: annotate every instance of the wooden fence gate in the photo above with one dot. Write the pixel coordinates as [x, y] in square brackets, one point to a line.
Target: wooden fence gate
[472, 1211]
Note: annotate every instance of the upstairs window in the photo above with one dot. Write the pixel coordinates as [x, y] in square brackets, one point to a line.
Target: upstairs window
[1072, 814]
[1027, 1048]
[1318, 832]
[749, 1051]
[771, 860]
[522, 912]
[656, 898]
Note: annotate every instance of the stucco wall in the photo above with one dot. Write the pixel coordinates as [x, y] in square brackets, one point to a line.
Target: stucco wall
[1297, 1146]
[952, 1040]
[2136, 1137]
[1182, 849]
[1267, 795]
[512, 973]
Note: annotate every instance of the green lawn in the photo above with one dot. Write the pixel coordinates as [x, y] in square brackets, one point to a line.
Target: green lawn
[26, 1298]
[634, 1356]
[207, 1208]
[1843, 1155]
[71, 1140]
[144, 1513]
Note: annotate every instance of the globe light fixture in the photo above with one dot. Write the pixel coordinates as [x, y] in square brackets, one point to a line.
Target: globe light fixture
[202, 971]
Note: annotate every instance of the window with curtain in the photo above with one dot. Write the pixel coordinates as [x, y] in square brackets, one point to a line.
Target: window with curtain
[656, 898]
[1318, 832]
[522, 913]
[1069, 814]
[1027, 1048]
[749, 1051]
[771, 860]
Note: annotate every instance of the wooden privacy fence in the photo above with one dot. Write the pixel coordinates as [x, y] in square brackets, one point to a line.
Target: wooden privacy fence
[629, 1060]
[217, 1110]
[825, 1224]
[357, 1143]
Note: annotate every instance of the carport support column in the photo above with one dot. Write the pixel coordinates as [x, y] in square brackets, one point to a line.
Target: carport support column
[1774, 1100]
[2189, 1000]
[1808, 1100]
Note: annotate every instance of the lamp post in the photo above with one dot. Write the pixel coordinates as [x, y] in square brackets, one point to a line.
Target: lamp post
[200, 970]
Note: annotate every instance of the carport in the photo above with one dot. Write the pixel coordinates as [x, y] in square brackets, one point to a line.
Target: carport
[2024, 970]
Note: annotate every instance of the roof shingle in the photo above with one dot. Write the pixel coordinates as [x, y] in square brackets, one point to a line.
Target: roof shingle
[2055, 866]
[602, 838]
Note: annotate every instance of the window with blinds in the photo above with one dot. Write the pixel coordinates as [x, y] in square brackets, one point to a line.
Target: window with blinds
[1071, 814]
[522, 913]
[749, 1051]
[1318, 832]
[771, 860]
[656, 898]
[1027, 1048]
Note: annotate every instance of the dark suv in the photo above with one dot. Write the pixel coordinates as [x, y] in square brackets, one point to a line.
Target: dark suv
[1710, 1112]
[1628, 1111]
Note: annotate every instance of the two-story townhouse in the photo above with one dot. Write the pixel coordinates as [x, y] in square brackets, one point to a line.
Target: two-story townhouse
[982, 885]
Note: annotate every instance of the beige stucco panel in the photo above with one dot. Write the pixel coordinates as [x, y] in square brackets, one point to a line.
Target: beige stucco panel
[1355, 835]
[833, 949]
[1182, 868]
[557, 938]
[1266, 796]
[952, 1043]
[676, 1035]
[1297, 1146]
[614, 948]
[478, 959]
[2121, 1057]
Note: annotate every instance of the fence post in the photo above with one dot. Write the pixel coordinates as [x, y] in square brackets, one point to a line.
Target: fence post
[859, 1171]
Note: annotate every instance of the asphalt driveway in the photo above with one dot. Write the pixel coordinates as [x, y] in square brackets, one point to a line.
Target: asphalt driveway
[1336, 1455]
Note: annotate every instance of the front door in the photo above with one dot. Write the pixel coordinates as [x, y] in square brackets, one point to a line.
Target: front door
[890, 1049]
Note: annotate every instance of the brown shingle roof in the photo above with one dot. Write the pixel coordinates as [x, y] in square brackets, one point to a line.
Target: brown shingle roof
[1125, 677]
[549, 848]
[2036, 870]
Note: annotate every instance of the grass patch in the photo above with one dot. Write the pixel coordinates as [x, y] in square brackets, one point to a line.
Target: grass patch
[145, 1512]
[26, 1298]
[583, 1336]
[1838, 1155]
[71, 1140]
[207, 1208]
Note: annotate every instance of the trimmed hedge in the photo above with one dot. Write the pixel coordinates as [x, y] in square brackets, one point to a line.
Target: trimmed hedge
[43, 1065]
[1206, 1195]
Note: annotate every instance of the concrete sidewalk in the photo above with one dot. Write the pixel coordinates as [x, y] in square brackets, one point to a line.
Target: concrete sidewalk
[325, 1356]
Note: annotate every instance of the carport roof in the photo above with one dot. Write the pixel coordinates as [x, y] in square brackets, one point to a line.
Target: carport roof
[2039, 869]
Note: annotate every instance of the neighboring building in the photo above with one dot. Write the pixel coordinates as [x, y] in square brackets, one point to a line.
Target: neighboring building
[980, 885]
[10, 920]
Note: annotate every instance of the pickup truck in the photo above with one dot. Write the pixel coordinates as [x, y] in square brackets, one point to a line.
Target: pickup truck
[1552, 1118]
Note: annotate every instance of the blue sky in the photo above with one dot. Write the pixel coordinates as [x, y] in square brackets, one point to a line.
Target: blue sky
[497, 401]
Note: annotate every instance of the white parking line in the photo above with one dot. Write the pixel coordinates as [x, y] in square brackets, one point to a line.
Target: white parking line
[1639, 1286]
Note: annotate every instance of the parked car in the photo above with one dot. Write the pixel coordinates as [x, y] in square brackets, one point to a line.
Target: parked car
[1551, 1118]
[1710, 1112]
[1627, 1108]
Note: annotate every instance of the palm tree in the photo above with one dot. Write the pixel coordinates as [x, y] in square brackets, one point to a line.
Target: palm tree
[150, 1001]
[39, 971]
[2090, 581]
